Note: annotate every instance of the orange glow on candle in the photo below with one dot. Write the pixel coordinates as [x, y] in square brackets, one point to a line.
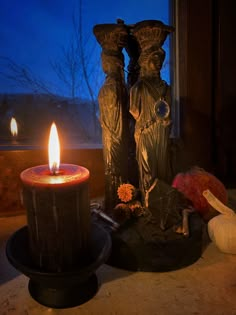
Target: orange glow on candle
[13, 127]
[54, 150]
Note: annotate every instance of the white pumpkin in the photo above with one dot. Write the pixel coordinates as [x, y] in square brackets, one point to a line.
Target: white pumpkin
[222, 228]
[222, 232]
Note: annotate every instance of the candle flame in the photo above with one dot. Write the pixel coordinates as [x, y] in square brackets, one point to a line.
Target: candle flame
[13, 127]
[54, 150]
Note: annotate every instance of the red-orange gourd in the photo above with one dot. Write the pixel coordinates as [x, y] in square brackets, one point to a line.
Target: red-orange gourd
[192, 184]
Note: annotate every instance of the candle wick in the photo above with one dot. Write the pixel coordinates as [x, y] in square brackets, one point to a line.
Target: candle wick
[54, 169]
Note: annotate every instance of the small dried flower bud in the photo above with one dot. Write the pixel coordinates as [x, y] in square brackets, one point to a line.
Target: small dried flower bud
[136, 208]
[126, 192]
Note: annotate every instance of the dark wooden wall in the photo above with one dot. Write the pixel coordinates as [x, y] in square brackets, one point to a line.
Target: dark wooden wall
[207, 92]
[225, 92]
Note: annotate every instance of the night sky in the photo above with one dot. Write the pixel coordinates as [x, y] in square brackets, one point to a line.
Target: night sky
[33, 32]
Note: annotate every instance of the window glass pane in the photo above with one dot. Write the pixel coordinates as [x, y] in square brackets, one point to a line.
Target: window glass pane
[50, 67]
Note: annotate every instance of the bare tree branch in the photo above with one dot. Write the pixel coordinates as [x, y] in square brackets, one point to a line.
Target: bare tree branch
[23, 76]
[75, 62]
[83, 61]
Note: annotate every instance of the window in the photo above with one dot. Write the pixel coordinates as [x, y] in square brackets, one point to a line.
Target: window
[50, 65]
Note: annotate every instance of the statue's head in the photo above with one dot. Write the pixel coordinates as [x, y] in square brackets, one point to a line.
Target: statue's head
[111, 37]
[151, 33]
[150, 36]
[152, 59]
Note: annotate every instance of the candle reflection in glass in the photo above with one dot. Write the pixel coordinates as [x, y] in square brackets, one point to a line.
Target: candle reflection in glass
[13, 129]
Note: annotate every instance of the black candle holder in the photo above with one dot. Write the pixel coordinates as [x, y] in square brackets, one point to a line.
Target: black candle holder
[60, 289]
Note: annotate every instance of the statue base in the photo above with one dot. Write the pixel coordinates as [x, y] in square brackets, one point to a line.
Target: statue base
[138, 247]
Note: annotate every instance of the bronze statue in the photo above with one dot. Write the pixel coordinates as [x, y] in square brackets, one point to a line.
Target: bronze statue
[113, 102]
[152, 234]
[150, 107]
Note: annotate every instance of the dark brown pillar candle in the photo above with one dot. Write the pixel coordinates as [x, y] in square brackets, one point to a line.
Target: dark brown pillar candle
[58, 215]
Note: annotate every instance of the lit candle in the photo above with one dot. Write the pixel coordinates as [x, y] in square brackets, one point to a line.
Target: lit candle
[56, 197]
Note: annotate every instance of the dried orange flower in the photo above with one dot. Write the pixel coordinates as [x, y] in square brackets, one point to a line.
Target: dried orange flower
[126, 192]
